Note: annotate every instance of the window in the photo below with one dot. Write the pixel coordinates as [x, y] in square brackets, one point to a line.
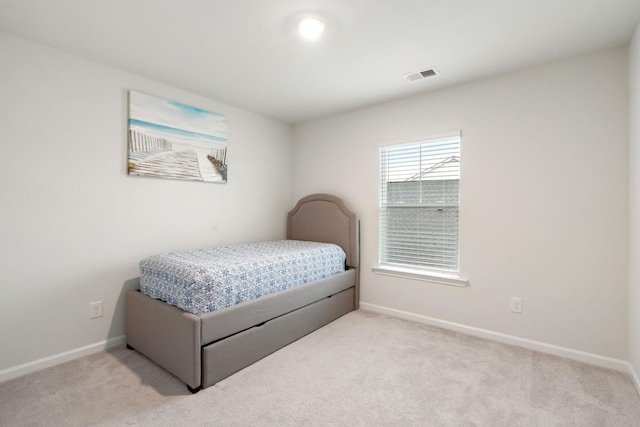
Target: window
[419, 205]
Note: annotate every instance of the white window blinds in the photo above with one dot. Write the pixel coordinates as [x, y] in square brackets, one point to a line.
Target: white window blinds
[419, 209]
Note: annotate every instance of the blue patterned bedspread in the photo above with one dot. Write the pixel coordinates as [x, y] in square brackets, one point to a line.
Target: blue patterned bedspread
[204, 280]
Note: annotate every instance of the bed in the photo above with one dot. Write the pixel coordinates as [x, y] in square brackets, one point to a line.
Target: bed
[204, 348]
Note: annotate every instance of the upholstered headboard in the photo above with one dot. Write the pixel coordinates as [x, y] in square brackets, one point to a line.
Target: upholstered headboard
[325, 218]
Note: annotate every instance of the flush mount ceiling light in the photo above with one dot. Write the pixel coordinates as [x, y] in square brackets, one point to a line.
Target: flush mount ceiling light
[311, 28]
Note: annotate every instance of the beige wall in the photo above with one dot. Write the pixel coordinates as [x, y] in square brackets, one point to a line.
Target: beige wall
[544, 198]
[73, 225]
[634, 204]
[543, 201]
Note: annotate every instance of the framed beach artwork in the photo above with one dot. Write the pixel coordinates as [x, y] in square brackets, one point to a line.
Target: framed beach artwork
[172, 140]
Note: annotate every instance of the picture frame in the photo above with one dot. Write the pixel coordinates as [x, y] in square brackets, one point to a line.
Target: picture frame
[171, 140]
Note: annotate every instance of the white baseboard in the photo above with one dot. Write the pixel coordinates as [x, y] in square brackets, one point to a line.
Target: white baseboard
[56, 359]
[581, 356]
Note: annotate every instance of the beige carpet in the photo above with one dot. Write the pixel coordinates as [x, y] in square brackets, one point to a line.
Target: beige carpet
[364, 369]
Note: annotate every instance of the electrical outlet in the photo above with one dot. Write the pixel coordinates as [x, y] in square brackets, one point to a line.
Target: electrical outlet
[516, 305]
[96, 310]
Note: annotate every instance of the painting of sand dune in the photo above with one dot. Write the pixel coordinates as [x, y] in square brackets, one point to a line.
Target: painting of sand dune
[172, 140]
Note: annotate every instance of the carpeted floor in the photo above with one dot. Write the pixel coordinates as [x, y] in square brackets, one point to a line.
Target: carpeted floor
[364, 369]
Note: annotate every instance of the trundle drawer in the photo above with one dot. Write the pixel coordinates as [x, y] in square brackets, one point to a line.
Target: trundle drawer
[225, 357]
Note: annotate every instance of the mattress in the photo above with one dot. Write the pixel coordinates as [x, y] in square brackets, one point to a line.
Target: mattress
[205, 280]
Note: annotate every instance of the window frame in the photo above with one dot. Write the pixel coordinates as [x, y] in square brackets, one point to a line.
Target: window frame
[416, 272]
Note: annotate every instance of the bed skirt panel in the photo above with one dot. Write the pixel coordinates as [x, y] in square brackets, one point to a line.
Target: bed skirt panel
[222, 323]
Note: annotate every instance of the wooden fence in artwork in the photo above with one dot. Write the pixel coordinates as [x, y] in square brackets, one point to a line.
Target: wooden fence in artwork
[168, 164]
[139, 141]
[220, 154]
[153, 156]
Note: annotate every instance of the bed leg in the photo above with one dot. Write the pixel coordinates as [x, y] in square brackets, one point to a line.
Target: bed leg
[194, 390]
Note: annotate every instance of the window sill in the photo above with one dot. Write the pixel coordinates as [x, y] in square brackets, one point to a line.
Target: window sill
[426, 276]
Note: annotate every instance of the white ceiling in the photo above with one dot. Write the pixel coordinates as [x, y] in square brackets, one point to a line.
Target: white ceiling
[245, 52]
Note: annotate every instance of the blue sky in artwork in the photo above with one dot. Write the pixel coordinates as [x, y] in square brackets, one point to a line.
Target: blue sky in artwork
[163, 112]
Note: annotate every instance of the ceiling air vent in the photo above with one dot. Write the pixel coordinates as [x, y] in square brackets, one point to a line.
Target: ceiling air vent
[423, 74]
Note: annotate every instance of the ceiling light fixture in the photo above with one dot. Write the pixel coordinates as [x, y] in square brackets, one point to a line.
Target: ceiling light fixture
[311, 28]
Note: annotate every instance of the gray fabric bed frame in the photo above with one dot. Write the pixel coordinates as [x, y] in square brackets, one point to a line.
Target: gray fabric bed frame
[202, 350]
